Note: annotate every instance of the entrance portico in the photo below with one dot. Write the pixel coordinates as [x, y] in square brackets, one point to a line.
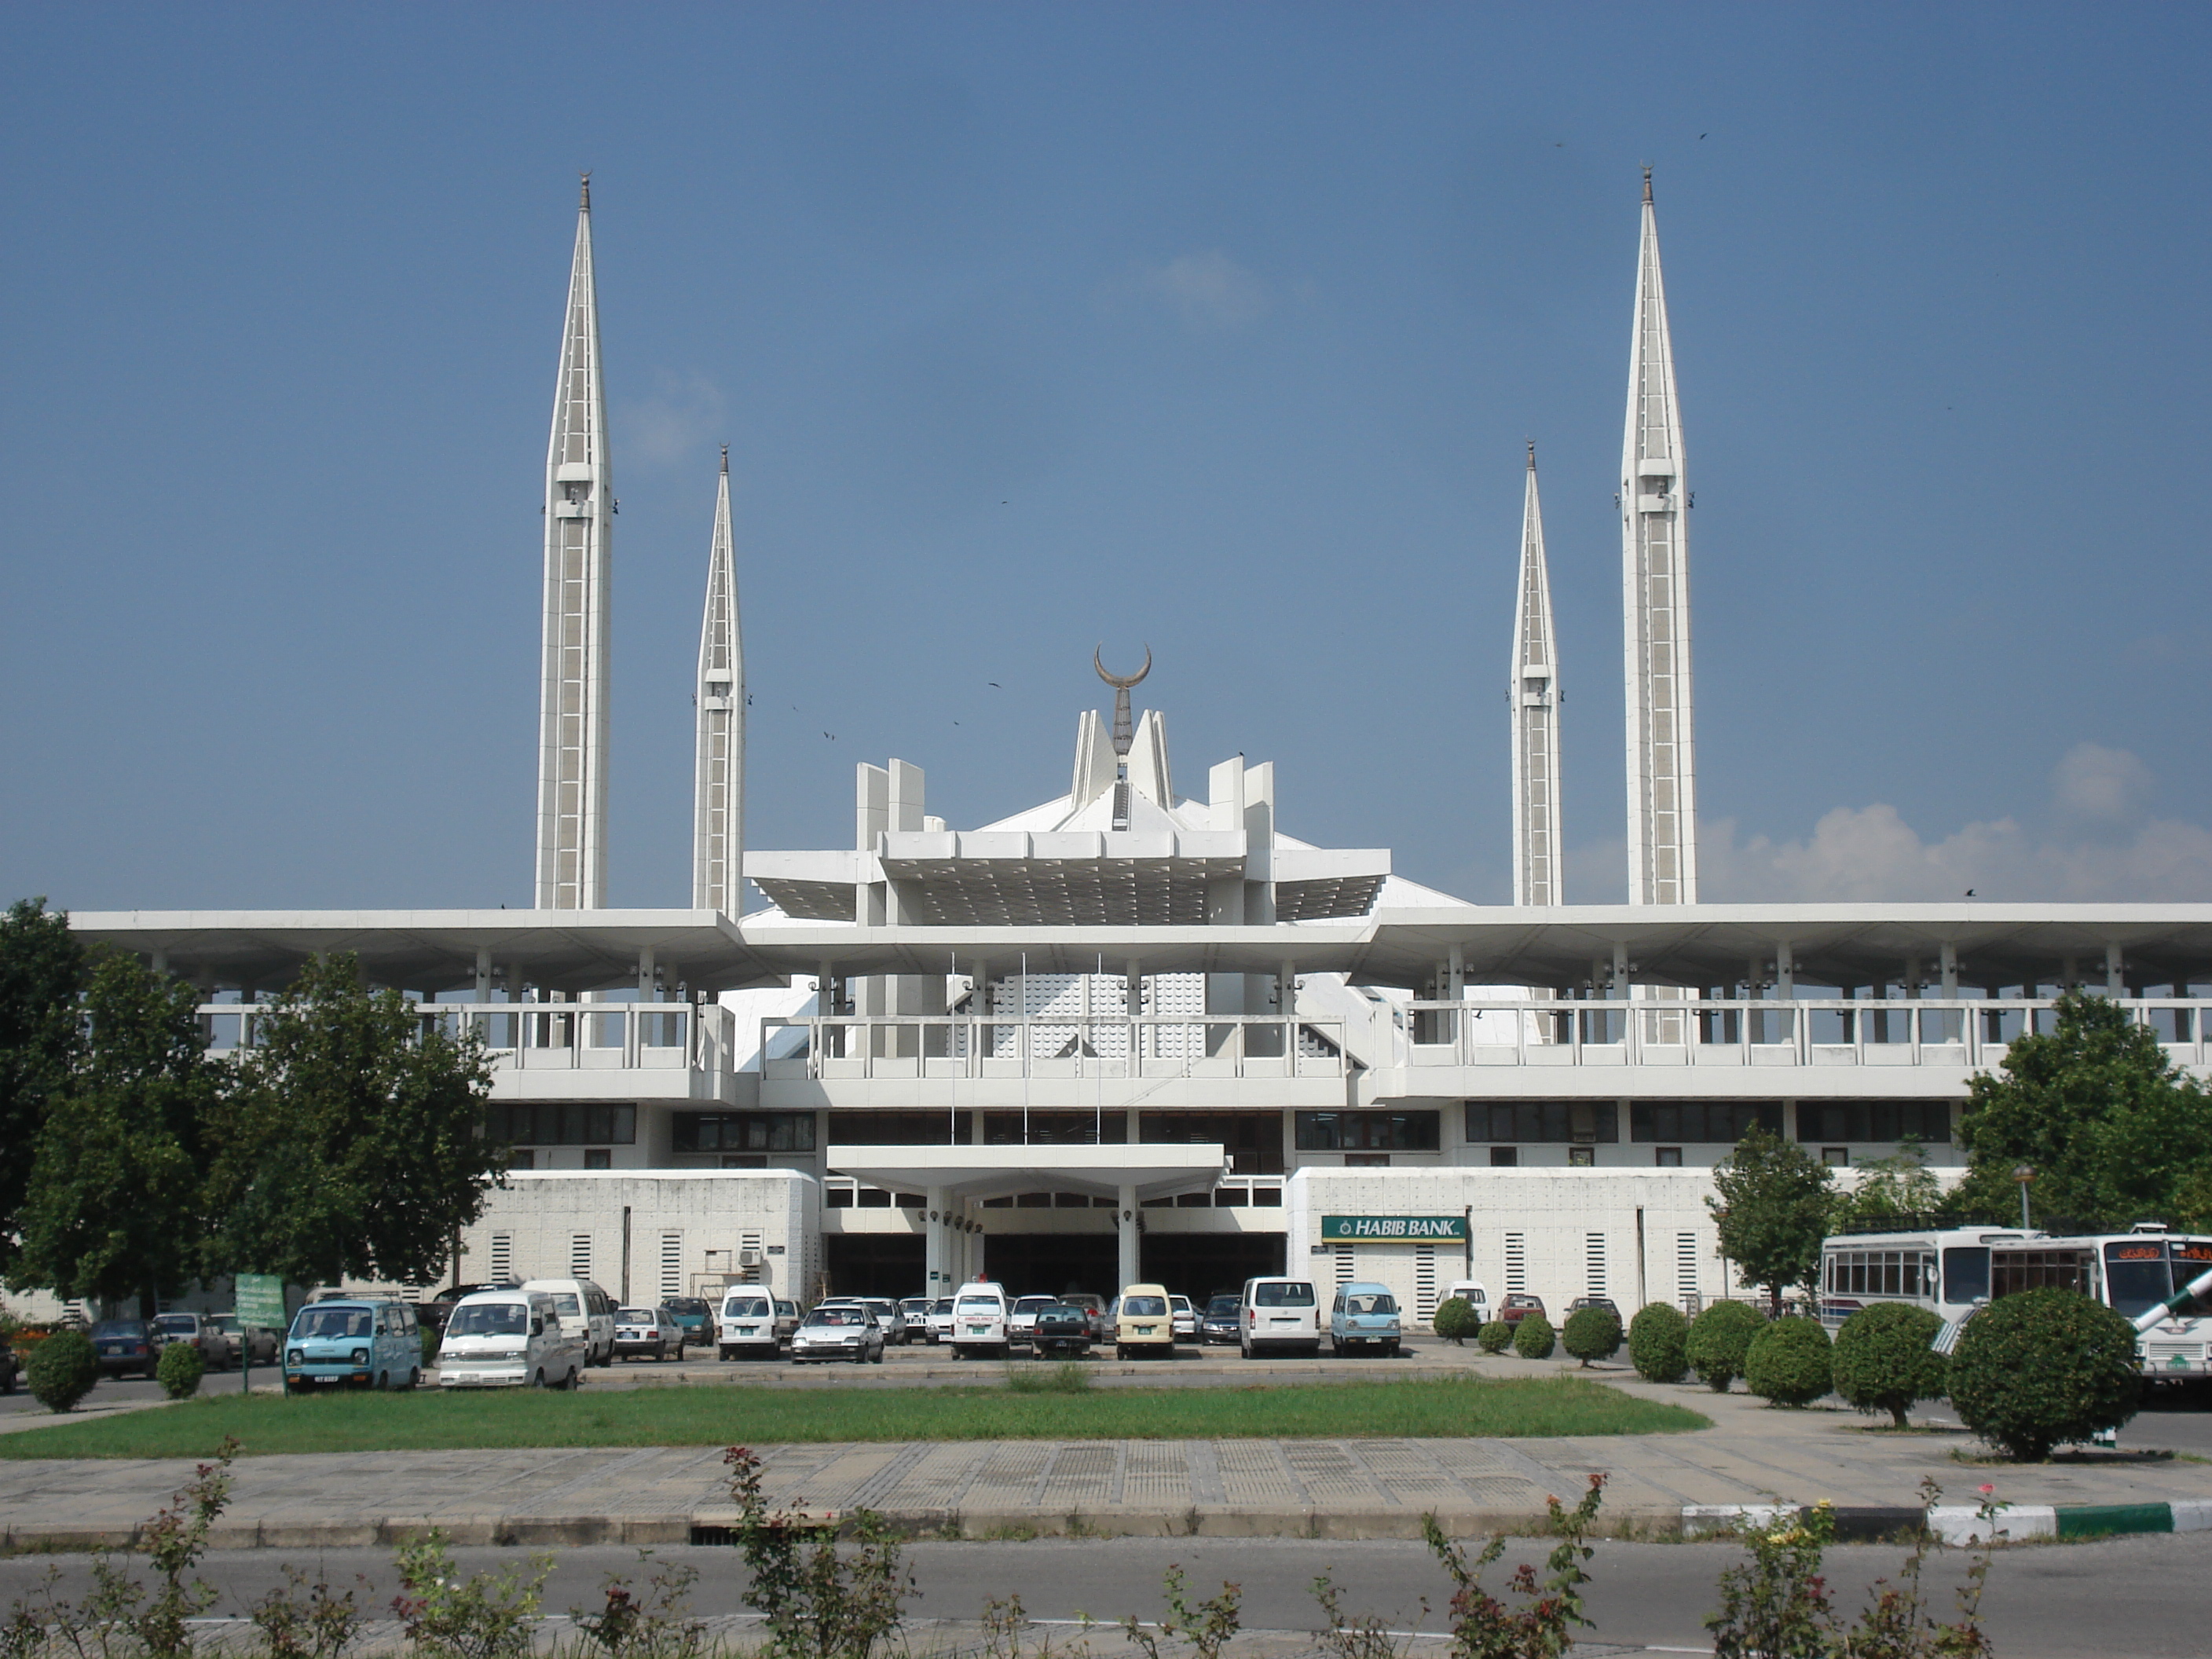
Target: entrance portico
[951, 1177]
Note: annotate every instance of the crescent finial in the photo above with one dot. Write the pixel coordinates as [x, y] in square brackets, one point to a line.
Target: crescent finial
[1121, 682]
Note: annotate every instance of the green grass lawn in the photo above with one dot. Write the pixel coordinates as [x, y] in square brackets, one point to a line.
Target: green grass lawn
[715, 1414]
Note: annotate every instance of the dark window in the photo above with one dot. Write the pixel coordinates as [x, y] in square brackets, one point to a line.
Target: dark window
[598, 1157]
[1369, 1131]
[1709, 1121]
[1367, 1160]
[522, 1160]
[1254, 1140]
[744, 1132]
[1055, 1129]
[901, 1128]
[1965, 1272]
[1582, 1158]
[1542, 1120]
[1928, 1120]
[1667, 1158]
[561, 1123]
[1504, 1158]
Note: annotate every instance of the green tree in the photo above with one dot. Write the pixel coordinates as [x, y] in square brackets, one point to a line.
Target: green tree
[353, 1143]
[1773, 1207]
[112, 1212]
[2115, 1132]
[43, 970]
[2044, 1367]
[1657, 1340]
[1888, 1188]
[1592, 1334]
[1885, 1360]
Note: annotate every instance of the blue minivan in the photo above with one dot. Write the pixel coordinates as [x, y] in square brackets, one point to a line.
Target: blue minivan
[364, 1340]
[1365, 1316]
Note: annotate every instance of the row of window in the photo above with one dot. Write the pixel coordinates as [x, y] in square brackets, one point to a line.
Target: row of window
[1708, 1121]
[560, 1123]
[744, 1132]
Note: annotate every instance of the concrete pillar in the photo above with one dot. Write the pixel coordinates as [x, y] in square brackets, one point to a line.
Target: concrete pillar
[161, 963]
[937, 1232]
[1620, 970]
[2115, 983]
[645, 973]
[1127, 1216]
[1785, 971]
[484, 975]
[1947, 966]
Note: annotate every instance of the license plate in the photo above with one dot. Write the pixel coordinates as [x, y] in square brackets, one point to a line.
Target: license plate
[1146, 1330]
[977, 1330]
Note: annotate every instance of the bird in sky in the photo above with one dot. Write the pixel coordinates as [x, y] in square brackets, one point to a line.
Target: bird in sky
[994, 685]
[832, 736]
[1970, 892]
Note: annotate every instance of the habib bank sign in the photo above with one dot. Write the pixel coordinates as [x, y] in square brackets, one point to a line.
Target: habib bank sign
[1393, 1229]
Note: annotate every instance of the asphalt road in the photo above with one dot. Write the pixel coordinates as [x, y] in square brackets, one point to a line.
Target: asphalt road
[110, 1389]
[2130, 1598]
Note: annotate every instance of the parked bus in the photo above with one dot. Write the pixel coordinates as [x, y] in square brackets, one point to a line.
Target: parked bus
[2131, 1272]
[1945, 1270]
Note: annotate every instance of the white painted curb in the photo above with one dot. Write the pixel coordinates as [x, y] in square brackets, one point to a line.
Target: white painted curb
[2016, 1524]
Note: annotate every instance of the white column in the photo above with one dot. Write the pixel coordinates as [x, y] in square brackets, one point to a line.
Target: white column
[2115, 973]
[1129, 1263]
[1947, 966]
[936, 1234]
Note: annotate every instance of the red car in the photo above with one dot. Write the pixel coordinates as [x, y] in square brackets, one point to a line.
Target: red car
[1515, 1306]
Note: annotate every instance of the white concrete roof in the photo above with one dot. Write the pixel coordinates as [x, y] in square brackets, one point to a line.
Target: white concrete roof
[991, 1171]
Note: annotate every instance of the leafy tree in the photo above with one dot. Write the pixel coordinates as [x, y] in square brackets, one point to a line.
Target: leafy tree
[2115, 1132]
[1656, 1337]
[1773, 1207]
[43, 970]
[63, 1370]
[112, 1209]
[353, 1144]
[1900, 1185]
[1885, 1358]
[2042, 1368]
[1592, 1334]
[1788, 1363]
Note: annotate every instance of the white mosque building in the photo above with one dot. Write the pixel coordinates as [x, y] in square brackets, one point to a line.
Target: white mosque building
[1142, 1031]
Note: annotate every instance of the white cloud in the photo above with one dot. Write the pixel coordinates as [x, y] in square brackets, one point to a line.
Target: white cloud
[1208, 290]
[2111, 849]
[683, 412]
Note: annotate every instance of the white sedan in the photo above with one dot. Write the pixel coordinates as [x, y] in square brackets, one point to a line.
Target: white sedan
[642, 1331]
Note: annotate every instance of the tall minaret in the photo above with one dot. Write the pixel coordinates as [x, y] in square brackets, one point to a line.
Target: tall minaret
[1538, 877]
[718, 788]
[572, 766]
[1662, 802]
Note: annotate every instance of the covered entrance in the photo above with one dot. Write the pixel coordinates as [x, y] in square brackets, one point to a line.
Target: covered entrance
[873, 1264]
[1054, 1264]
[1196, 1264]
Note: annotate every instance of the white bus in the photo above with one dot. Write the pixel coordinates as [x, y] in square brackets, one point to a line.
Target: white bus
[1945, 1270]
[2131, 1272]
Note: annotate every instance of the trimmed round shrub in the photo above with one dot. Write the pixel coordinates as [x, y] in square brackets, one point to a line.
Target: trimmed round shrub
[1456, 1320]
[1719, 1341]
[1592, 1334]
[1885, 1358]
[1496, 1337]
[181, 1367]
[1787, 1362]
[63, 1370]
[2043, 1369]
[1533, 1337]
[1656, 1340]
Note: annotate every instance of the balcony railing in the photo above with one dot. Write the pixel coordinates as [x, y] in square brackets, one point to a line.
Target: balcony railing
[832, 1048]
[546, 1036]
[1697, 1032]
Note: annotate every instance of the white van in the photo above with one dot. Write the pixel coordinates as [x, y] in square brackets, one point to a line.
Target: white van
[1279, 1313]
[579, 1300]
[979, 1321]
[510, 1339]
[747, 1323]
[1470, 1290]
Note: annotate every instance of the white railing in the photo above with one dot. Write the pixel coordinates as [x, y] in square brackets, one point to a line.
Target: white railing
[1808, 1031]
[838, 1047]
[546, 1036]
[1237, 1193]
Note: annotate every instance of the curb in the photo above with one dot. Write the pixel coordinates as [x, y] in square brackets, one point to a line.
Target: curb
[1957, 1525]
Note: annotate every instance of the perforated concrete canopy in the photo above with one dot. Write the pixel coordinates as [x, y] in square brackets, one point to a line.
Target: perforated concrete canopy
[992, 1171]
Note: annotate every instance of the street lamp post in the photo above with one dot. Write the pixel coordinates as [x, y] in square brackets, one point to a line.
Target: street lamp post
[2023, 1174]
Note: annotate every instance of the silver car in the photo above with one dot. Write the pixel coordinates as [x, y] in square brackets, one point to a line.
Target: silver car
[1021, 1318]
[642, 1331]
[198, 1330]
[839, 1331]
[249, 1344]
[889, 1317]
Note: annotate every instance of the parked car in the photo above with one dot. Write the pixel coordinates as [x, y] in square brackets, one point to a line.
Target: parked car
[697, 1316]
[914, 1309]
[1223, 1322]
[362, 1339]
[940, 1320]
[1185, 1317]
[1060, 1330]
[1471, 1291]
[747, 1325]
[507, 1337]
[640, 1331]
[579, 1299]
[440, 1308]
[979, 1321]
[1021, 1318]
[787, 1320]
[839, 1331]
[1279, 1313]
[889, 1317]
[197, 1332]
[126, 1344]
[1143, 1327]
[1582, 1302]
[1363, 1316]
[1518, 1305]
[1095, 1305]
[248, 1344]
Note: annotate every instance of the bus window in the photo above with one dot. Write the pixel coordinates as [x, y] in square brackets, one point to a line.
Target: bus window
[1965, 1272]
[2191, 1256]
[2137, 1276]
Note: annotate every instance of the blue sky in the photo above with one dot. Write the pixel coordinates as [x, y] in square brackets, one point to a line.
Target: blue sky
[1217, 328]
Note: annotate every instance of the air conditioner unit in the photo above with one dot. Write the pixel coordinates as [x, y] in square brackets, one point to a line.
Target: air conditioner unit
[749, 1258]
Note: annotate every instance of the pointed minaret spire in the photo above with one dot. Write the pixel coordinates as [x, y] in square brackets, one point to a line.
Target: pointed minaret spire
[1662, 802]
[1538, 877]
[572, 775]
[718, 827]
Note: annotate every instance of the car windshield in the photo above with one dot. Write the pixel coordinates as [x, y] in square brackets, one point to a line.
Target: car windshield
[942, 1305]
[566, 1304]
[331, 1323]
[227, 1323]
[838, 1317]
[1371, 1304]
[1034, 1304]
[1144, 1307]
[2137, 1275]
[980, 1304]
[1284, 1294]
[121, 1328]
[1180, 1303]
[1223, 1305]
[180, 1324]
[684, 1304]
[746, 1307]
[636, 1317]
[488, 1319]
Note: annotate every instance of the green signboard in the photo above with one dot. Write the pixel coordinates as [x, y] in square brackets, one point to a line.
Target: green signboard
[1394, 1228]
[261, 1301]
